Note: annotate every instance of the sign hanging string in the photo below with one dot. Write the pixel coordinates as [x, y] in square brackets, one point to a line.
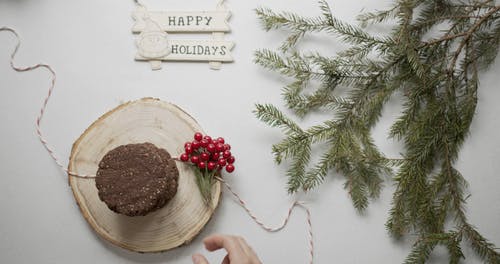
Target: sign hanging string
[51, 151]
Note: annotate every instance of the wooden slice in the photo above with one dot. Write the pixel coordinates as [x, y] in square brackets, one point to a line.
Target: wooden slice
[167, 126]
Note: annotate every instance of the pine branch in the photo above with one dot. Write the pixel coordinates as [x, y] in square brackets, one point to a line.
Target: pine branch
[468, 35]
[425, 245]
[326, 22]
[438, 80]
[275, 118]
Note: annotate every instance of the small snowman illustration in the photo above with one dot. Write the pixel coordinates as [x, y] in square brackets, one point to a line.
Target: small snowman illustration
[153, 43]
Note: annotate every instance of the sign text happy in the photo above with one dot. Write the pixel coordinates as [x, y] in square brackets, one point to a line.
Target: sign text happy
[201, 21]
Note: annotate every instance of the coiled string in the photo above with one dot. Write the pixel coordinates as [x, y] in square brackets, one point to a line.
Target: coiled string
[51, 151]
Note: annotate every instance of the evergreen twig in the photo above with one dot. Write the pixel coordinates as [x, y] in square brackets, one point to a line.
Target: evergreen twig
[438, 80]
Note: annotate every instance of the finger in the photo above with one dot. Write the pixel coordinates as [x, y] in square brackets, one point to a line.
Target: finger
[215, 242]
[255, 258]
[248, 250]
[226, 260]
[229, 243]
[199, 259]
[244, 245]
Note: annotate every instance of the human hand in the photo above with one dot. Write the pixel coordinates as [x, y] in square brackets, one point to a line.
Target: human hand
[238, 251]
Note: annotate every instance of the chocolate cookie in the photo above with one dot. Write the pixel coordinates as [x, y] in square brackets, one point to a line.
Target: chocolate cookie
[136, 179]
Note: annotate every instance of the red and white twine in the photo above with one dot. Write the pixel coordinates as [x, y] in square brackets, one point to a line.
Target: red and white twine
[52, 153]
[45, 101]
[285, 220]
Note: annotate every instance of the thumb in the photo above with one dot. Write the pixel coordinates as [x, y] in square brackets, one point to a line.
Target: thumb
[199, 259]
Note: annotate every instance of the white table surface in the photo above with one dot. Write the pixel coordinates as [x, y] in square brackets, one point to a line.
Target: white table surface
[90, 45]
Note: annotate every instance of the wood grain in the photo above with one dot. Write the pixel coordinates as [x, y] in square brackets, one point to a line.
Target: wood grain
[167, 126]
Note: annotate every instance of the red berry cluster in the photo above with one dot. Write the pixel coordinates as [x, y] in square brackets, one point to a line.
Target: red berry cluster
[208, 153]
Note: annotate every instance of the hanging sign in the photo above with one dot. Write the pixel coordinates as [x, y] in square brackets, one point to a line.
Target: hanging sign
[155, 44]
